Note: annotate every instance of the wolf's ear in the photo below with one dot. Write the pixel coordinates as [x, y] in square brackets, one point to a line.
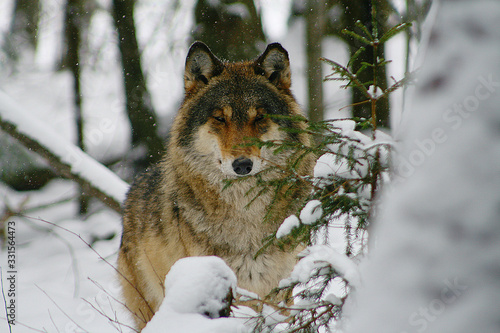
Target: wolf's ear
[275, 66]
[201, 66]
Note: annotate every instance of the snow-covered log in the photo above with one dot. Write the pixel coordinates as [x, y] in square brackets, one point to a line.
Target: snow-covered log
[62, 155]
[435, 264]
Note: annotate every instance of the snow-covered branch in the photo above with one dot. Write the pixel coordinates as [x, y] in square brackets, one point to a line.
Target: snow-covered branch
[67, 159]
[434, 266]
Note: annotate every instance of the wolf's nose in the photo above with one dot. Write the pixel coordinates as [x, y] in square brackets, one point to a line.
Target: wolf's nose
[242, 165]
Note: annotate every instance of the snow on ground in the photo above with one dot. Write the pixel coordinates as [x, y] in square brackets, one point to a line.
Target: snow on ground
[436, 246]
[197, 290]
[172, 322]
[56, 269]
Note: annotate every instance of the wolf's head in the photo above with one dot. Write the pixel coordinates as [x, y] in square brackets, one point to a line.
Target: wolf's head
[227, 105]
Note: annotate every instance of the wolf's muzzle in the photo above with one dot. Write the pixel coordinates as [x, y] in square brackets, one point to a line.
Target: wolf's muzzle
[242, 165]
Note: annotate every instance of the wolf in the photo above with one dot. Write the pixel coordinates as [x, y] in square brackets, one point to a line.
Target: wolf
[182, 207]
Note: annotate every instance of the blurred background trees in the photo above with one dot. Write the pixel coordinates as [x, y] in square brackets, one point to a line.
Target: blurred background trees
[232, 28]
[90, 38]
[23, 27]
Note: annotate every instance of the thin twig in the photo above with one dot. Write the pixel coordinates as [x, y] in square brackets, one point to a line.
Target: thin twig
[113, 321]
[161, 282]
[5, 302]
[98, 255]
[53, 322]
[60, 309]
[31, 328]
[74, 263]
[115, 299]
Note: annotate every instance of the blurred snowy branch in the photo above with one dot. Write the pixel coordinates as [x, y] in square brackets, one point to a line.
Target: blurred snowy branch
[63, 156]
[434, 266]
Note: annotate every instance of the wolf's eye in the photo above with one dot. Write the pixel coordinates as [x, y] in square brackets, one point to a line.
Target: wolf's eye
[220, 119]
[258, 118]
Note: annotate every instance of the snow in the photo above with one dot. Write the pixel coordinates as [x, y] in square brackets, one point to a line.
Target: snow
[375, 92]
[275, 14]
[311, 212]
[333, 299]
[239, 10]
[333, 164]
[56, 269]
[246, 295]
[317, 257]
[199, 285]
[170, 322]
[196, 291]
[434, 262]
[346, 172]
[81, 164]
[53, 259]
[325, 166]
[287, 226]
[346, 126]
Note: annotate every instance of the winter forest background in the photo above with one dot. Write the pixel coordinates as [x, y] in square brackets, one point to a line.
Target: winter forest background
[408, 237]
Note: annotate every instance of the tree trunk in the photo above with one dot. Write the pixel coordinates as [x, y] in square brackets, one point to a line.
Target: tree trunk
[24, 27]
[361, 10]
[231, 28]
[315, 27]
[73, 19]
[138, 101]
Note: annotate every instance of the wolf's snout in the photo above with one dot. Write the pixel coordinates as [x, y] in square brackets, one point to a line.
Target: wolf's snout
[242, 165]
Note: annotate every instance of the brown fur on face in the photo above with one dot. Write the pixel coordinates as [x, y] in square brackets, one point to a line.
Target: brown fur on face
[178, 208]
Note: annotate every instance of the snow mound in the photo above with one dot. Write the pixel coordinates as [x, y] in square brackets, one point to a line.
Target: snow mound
[197, 289]
[199, 285]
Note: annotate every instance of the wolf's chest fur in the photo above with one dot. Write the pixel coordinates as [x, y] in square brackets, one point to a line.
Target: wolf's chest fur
[223, 217]
[234, 231]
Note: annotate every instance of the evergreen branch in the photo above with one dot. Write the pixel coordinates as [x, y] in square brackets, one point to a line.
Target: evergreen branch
[364, 65]
[374, 22]
[394, 31]
[346, 73]
[356, 36]
[355, 56]
[360, 25]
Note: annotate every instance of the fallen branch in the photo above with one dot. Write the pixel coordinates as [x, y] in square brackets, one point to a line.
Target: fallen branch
[68, 160]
